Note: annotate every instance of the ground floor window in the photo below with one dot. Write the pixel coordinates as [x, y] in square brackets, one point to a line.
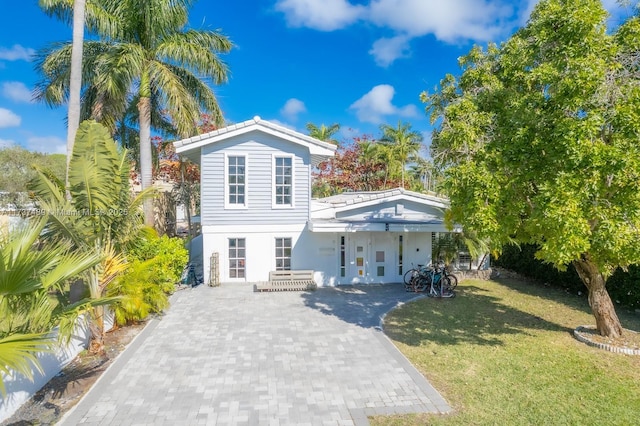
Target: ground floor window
[237, 257]
[283, 254]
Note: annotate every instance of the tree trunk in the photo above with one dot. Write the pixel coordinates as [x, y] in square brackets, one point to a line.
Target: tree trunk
[607, 322]
[75, 80]
[96, 328]
[146, 179]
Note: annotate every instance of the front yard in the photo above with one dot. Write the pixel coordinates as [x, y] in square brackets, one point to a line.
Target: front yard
[504, 353]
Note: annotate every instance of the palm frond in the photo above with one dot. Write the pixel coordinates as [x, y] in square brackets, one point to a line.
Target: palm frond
[19, 353]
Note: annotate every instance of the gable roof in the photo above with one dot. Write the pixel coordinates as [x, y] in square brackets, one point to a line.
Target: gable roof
[360, 211]
[318, 149]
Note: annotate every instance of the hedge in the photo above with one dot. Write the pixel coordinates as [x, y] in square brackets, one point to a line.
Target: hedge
[623, 287]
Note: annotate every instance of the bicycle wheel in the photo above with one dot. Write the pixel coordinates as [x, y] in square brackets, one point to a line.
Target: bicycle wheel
[409, 276]
[446, 289]
[453, 280]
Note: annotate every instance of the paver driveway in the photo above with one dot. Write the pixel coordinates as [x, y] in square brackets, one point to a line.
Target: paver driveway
[227, 355]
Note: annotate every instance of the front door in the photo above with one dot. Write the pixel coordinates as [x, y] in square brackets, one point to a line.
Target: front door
[373, 258]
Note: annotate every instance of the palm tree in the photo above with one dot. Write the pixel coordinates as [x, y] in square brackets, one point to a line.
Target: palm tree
[28, 313]
[323, 132]
[423, 174]
[147, 55]
[101, 217]
[405, 143]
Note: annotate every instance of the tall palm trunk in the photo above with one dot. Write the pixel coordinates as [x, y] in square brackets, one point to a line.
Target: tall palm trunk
[146, 179]
[607, 321]
[75, 82]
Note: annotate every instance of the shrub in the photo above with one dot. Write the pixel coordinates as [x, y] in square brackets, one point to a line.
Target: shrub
[623, 287]
[170, 253]
[142, 291]
[155, 266]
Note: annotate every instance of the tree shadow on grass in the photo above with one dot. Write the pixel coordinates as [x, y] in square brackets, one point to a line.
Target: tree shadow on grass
[473, 317]
[579, 302]
[361, 305]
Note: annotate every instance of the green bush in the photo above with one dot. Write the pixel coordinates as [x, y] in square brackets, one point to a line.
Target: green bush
[155, 266]
[623, 287]
[170, 253]
[142, 291]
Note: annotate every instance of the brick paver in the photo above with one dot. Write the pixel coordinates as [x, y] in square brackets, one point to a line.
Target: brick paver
[230, 356]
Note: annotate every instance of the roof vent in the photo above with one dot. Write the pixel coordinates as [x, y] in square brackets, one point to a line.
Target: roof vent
[399, 209]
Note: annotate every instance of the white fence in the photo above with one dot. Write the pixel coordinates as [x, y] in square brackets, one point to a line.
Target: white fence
[20, 389]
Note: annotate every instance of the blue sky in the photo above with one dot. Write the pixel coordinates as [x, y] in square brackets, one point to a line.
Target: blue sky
[353, 62]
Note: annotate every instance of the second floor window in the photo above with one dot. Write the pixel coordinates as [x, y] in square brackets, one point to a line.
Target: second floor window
[236, 180]
[283, 181]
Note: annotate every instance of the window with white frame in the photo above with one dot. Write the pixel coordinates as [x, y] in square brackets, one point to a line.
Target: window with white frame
[236, 180]
[283, 181]
[237, 257]
[283, 254]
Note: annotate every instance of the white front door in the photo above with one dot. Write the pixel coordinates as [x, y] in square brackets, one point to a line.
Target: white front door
[373, 258]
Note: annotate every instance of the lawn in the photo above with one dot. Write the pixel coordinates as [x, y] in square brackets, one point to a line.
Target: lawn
[503, 353]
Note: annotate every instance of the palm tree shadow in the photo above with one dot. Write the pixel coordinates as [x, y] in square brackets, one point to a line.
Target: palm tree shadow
[473, 317]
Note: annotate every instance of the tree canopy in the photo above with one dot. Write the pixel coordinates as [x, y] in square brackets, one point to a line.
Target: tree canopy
[538, 138]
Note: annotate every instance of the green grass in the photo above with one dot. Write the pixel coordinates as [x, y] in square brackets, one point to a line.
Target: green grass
[504, 354]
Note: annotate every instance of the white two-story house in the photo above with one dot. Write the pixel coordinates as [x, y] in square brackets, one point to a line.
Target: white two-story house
[257, 213]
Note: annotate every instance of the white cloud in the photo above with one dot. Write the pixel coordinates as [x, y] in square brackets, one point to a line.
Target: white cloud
[16, 53]
[323, 15]
[6, 143]
[449, 21]
[8, 118]
[47, 144]
[387, 50]
[374, 105]
[16, 91]
[292, 108]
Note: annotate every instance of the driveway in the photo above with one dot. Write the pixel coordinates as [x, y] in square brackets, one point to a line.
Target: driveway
[228, 356]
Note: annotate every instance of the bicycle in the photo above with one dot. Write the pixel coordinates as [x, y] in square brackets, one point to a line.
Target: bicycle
[434, 280]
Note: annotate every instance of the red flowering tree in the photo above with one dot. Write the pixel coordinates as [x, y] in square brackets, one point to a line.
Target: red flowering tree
[362, 165]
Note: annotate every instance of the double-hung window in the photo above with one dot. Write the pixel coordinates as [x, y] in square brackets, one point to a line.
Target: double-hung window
[283, 181]
[283, 254]
[236, 181]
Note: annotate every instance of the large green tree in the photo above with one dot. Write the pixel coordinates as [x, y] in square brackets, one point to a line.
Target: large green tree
[18, 168]
[539, 139]
[149, 55]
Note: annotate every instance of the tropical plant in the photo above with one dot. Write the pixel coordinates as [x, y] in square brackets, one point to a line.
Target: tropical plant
[539, 141]
[155, 266]
[146, 55]
[102, 215]
[323, 133]
[359, 166]
[29, 277]
[405, 143]
[140, 291]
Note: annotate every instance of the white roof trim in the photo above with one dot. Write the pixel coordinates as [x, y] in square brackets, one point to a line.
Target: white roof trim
[316, 146]
[349, 201]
